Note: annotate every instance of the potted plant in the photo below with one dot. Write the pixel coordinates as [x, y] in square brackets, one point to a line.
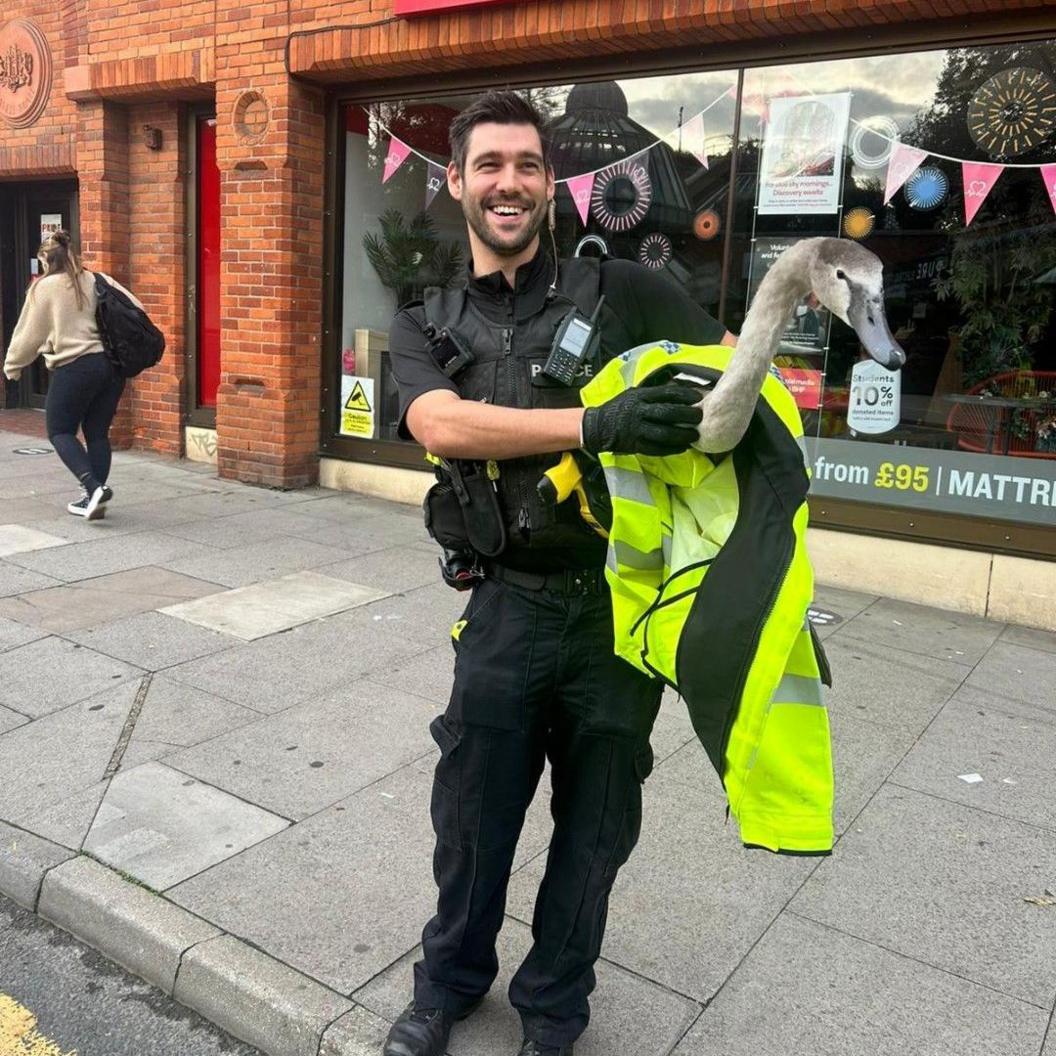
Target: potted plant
[408, 256]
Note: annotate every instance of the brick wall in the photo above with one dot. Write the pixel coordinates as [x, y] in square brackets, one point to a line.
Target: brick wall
[121, 65]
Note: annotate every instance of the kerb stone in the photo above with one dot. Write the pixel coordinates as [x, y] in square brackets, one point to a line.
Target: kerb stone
[24, 861]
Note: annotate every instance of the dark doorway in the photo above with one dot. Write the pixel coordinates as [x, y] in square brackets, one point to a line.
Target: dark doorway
[27, 212]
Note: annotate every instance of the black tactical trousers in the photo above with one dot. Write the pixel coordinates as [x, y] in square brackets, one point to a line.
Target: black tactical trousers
[535, 678]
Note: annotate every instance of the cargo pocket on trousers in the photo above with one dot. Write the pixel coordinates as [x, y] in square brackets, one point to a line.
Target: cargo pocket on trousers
[631, 822]
[445, 803]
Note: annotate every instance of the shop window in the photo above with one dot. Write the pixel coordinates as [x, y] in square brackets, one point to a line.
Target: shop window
[643, 167]
[955, 143]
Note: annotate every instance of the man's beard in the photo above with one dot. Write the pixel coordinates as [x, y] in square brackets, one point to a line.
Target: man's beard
[476, 217]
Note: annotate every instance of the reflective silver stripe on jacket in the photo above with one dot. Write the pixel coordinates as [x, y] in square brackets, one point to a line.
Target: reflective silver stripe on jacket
[631, 557]
[628, 484]
[798, 689]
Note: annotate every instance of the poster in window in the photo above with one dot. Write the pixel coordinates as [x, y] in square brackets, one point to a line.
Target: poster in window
[49, 224]
[357, 406]
[808, 329]
[802, 166]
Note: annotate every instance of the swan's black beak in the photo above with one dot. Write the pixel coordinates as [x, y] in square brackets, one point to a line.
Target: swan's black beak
[866, 315]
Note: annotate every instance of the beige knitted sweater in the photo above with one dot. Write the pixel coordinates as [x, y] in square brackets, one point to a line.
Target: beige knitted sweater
[52, 325]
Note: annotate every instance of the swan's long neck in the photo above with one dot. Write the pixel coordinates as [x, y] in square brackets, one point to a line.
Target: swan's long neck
[729, 406]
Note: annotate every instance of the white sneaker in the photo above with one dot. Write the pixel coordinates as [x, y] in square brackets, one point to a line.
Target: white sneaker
[80, 507]
[93, 509]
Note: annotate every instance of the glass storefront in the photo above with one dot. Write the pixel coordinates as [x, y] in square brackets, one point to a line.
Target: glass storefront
[936, 161]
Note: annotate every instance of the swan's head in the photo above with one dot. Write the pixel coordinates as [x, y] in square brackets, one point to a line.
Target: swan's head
[849, 281]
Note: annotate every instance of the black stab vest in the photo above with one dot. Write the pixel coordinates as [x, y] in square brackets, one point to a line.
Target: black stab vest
[507, 371]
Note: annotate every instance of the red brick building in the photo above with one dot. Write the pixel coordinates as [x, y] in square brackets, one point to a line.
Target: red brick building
[226, 161]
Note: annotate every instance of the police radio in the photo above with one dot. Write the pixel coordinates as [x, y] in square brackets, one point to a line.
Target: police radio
[573, 342]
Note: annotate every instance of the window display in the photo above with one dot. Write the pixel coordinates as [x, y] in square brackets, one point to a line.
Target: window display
[942, 163]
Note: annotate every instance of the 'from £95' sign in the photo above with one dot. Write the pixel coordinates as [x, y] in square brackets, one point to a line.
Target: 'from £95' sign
[934, 480]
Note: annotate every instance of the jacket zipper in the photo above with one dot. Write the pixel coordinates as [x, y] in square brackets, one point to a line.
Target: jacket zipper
[524, 520]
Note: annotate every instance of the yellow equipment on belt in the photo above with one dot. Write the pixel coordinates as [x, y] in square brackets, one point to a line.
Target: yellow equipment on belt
[564, 479]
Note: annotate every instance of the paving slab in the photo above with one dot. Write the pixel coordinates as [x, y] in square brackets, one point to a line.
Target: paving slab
[888, 686]
[14, 580]
[243, 565]
[364, 885]
[24, 861]
[843, 604]
[256, 998]
[274, 673]
[153, 640]
[1014, 756]
[175, 716]
[423, 616]
[1029, 636]
[311, 755]
[168, 826]
[430, 674]
[91, 602]
[27, 510]
[1020, 672]
[49, 760]
[18, 539]
[628, 1014]
[68, 821]
[808, 989]
[50, 674]
[263, 609]
[92, 559]
[946, 884]
[691, 901]
[10, 719]
[392, 568]
[127, 923]
[954, 636]
[14, 634]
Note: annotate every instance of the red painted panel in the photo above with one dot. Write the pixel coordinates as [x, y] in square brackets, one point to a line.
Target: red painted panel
[208, 308]
[425, 7]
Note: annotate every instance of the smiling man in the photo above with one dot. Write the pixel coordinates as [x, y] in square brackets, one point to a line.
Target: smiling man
[535, 672]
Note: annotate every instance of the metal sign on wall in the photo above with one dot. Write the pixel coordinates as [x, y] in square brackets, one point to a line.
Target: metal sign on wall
[432, 7]
[25, 73]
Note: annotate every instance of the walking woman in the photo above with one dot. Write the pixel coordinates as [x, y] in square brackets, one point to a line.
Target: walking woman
[58, 322]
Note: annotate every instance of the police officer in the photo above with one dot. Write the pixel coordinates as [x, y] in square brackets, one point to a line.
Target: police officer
[535, 672]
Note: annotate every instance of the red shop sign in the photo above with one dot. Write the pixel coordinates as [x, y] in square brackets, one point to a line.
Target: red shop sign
[805, 386]
[432, 7]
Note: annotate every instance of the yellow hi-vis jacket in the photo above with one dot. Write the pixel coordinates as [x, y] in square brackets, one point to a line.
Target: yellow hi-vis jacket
[711, 583]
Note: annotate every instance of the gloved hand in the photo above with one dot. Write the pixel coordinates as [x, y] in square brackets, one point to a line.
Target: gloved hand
[646, 420]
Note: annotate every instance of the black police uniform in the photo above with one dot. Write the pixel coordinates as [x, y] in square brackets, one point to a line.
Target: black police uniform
[535, 672]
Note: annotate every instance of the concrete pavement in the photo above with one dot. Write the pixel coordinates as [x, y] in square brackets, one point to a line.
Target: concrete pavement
[215, 768]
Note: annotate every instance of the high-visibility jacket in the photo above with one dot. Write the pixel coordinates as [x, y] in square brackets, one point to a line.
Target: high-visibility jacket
[711, 583]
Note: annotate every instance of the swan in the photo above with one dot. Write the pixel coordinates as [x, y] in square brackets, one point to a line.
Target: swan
[846, 278]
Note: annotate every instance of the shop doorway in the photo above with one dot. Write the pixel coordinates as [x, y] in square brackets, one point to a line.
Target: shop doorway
[203, 266]
[28, 211]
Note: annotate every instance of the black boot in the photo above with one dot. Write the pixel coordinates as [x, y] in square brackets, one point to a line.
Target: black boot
[537, 1048]
[422, 1032]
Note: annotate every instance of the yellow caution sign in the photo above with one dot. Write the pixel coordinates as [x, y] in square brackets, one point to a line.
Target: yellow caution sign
[19, 1035]
[357, 406]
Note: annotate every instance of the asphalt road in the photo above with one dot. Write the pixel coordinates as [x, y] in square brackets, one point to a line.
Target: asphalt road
[59, 997]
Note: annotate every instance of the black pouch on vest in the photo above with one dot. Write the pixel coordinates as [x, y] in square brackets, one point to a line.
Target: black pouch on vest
[485, 527]
[443, 516]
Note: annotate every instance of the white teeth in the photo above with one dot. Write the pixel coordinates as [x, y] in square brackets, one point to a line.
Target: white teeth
[507, 210]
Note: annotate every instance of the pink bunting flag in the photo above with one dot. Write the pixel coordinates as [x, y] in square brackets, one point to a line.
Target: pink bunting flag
[395, 156]
[435, 178]
[580, 187]
[692, 138]
[904, 162]
[1048, 174]
[979, 180]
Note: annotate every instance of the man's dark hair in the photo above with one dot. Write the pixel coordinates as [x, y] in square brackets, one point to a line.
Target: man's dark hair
[499, 108]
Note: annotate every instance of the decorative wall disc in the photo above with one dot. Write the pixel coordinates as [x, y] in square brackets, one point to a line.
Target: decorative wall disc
[859, 223]
[250, 117]
[1013, 112]
[927, 188]
[872, 141]
[654, 251]
[706, 225]
[622, 195]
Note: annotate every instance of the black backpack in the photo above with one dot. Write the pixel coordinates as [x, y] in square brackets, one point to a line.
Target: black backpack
[131, 340]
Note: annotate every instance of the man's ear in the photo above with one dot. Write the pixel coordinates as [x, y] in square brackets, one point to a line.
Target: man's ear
[454, 181]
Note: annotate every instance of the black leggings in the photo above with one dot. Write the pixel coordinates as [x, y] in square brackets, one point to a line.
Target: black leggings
[84, 395]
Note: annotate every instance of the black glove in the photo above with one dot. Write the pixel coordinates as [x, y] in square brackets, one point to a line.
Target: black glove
[647, 420]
